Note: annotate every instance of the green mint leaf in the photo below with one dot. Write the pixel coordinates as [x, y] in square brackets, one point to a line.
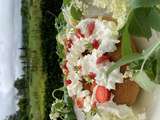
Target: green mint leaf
[126, 42]
[125, 60]
[154, 19]
[76, 13]
[138, 23]
[142, 19]
[144, 3]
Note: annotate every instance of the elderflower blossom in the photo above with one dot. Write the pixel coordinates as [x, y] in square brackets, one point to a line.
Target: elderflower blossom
[118, 8]
[112, 111]
[107, 41]
[101, 3]
[81, 5]
[120, 11]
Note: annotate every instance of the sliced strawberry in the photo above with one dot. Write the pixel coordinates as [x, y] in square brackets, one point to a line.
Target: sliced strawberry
[90, 28]
[88, 86]
[92, 75]
[93, 85]
[65, 69]
[67, 82]
[94, 104]
[102, 94]
[80, 102]
[95, 44]
[102, 59]
[69, 43]
[65, 64]
[79, 33]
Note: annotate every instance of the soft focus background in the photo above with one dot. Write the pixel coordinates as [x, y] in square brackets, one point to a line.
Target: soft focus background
[10, 65]
[28, 58]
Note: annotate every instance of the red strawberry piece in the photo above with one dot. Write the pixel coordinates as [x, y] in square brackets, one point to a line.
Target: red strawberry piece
[68, 82]
[90, 28]
[102, 94]
[69, 43]
[80, 102]
[92, 75]
[65, 69]
[94, 104]
[95, 44]
[102, 59]
[65, 72]
[93, 85]
[79, 33]
[86, 86]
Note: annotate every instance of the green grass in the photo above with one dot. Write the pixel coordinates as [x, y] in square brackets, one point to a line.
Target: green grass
[42, 73]
[37, 76]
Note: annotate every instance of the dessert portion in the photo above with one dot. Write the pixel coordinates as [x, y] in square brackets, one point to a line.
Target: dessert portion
[126, 92]
[91, 48]
[103, 70]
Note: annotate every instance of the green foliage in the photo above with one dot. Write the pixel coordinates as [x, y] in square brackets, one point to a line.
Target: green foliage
[36, 73]
[126, 43]
[142, 79]
[151, 67]
[57, 108]
[89, 46]
[13, 117]
[60, 51]
[66, 2]
[145, 55]
[62, 108]
[143, 17]
[70, 115]
[144, 3]
[145, 66]
[154, 18]
[22, 83]
[76, 13]
[157, 64]
[138, 24]
[125, 60]
[23, 104]
[60, 22]
[49, 54]
[53, 54]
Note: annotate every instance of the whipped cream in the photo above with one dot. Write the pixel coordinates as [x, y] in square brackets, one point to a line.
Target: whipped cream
[80, 65]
